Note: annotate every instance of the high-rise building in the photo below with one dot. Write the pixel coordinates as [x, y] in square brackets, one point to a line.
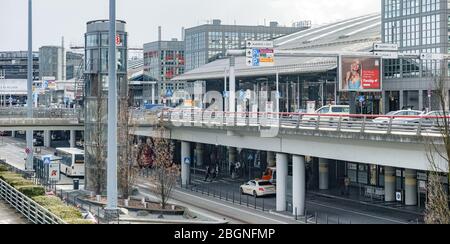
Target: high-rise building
[96, 98]
[206, 43]
[164, 60]
[13, 65]
[417, 26]
[51, 62]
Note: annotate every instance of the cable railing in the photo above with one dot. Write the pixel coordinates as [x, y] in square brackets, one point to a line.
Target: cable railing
[430, 126]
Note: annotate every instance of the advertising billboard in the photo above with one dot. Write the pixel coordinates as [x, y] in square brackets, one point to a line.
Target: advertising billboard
[361, 74]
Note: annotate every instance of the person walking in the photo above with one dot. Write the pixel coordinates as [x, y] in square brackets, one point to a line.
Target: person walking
[347, 185]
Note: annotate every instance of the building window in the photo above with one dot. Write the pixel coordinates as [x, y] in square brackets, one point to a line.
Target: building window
[92, 40]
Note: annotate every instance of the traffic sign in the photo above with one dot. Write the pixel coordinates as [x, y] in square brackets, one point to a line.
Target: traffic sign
[385, 47]
[28, 151]
[47, 159]
[118, 41]
[387, 55]
[259, 44]
[53, 172]
[187, 160]
[431, 56]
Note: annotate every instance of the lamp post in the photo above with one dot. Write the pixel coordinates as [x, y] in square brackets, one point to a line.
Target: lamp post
[29, 150]
[112, 113]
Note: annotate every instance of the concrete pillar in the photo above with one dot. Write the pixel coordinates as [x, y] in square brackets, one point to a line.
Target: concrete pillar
[410, 187]
[13, 133]
[185, 163]
[282, 174]
[72, 139]
[47, 138]
[323, 174]
[231, 158]
[389, 184]
[402, 99]
[199, 154]
[298, 185]
[421, 107]
[271, 159]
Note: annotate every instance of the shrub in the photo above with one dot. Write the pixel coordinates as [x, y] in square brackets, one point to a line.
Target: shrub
[6, 175]
[79, 222]
[31, 190]
[46, 201]
[3, 168]
[17, 182]
[58, 208]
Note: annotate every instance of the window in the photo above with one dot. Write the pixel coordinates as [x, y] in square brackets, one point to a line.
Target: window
[92, 40]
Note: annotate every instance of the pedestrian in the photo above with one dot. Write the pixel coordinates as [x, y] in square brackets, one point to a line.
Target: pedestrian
[207, 173]
[347, 185]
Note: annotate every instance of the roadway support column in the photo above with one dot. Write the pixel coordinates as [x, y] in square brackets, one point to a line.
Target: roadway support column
[47, 138]
[298, 185]
[282, 174]
[199, 155]
[389, 184]
[13, 133]
[323, 174]
[72, 139]
[271, 159]
[410, 187]
[231, 160]
[185, 163]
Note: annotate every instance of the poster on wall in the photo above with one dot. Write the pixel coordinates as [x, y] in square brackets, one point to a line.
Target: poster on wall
[360, 74]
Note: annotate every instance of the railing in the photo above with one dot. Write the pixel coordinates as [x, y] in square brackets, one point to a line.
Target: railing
[431, 126]
[26, 206]
[45, 113]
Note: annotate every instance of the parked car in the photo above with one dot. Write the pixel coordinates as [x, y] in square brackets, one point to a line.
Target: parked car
[258, 188]
[434, 118]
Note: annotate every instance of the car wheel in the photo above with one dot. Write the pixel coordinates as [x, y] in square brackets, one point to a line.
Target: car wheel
[255, 194]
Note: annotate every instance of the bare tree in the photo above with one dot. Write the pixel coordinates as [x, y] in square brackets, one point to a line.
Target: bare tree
[437, 207]
[165, 172]
[127, 170]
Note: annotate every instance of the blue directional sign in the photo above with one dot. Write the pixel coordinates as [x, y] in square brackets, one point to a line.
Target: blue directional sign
[187, 160]
[226, 94]
[362, 99]
[169, 93]
[47, 159]
[45, 84]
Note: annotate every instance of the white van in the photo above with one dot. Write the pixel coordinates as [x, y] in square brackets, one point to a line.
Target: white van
[329, 110]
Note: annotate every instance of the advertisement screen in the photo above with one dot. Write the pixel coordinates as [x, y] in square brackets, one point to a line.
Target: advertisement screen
[360, 74]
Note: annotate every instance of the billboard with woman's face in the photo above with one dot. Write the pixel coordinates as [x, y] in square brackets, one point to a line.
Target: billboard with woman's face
[360, 74]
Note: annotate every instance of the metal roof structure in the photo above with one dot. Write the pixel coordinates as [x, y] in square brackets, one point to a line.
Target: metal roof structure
[351, 35]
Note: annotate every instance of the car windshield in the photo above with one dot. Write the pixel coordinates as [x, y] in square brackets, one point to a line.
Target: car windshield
[341, 110]
[392, 113]
[264, 183]
[324, 110]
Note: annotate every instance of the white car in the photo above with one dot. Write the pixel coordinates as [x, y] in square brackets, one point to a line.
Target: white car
[386, 120]
[328, 113]
[258, 188]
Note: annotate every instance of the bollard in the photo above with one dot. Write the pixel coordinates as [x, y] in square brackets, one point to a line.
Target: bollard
[263, 204]
[255, 202]
[240, 199]
[296, 215]
[226, 196]
[338, 222]
[247, 201]
[233, 197]
[327, 218]
[316, 218]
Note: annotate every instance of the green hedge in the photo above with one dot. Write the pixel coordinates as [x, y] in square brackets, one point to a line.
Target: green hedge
[57, 207]
[31, 190]
[3, 168]
[79, 222]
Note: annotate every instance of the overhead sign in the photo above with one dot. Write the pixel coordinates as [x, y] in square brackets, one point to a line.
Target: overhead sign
[398, 196]
[260, 54]
[431, 56]
[385, 47]
[187, 160]
[361, 74]
[386, 55]
[259, 44]
[53, 172]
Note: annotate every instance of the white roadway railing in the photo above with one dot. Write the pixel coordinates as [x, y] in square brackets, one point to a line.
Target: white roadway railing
[370, 124]
[26, 206]
[15, 112]
[39, 122]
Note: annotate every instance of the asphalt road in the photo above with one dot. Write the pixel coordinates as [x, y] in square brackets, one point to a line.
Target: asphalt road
[327, 210]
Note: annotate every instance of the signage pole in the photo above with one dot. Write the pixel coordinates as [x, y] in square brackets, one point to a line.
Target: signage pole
[29, 162]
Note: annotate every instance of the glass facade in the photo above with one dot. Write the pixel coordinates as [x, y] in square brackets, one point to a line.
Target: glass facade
[96, 97]
[207, 43]
[14, 65]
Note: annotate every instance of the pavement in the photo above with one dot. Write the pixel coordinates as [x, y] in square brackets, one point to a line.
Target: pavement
[9, 216]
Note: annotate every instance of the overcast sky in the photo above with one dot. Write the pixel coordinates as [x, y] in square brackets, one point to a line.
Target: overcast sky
[56, 18]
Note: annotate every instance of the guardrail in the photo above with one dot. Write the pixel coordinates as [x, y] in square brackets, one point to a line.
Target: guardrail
[26, 206]
[370, 124]
[42, 113]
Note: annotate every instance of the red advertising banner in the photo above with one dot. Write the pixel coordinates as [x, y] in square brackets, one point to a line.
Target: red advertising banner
[360, 74]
